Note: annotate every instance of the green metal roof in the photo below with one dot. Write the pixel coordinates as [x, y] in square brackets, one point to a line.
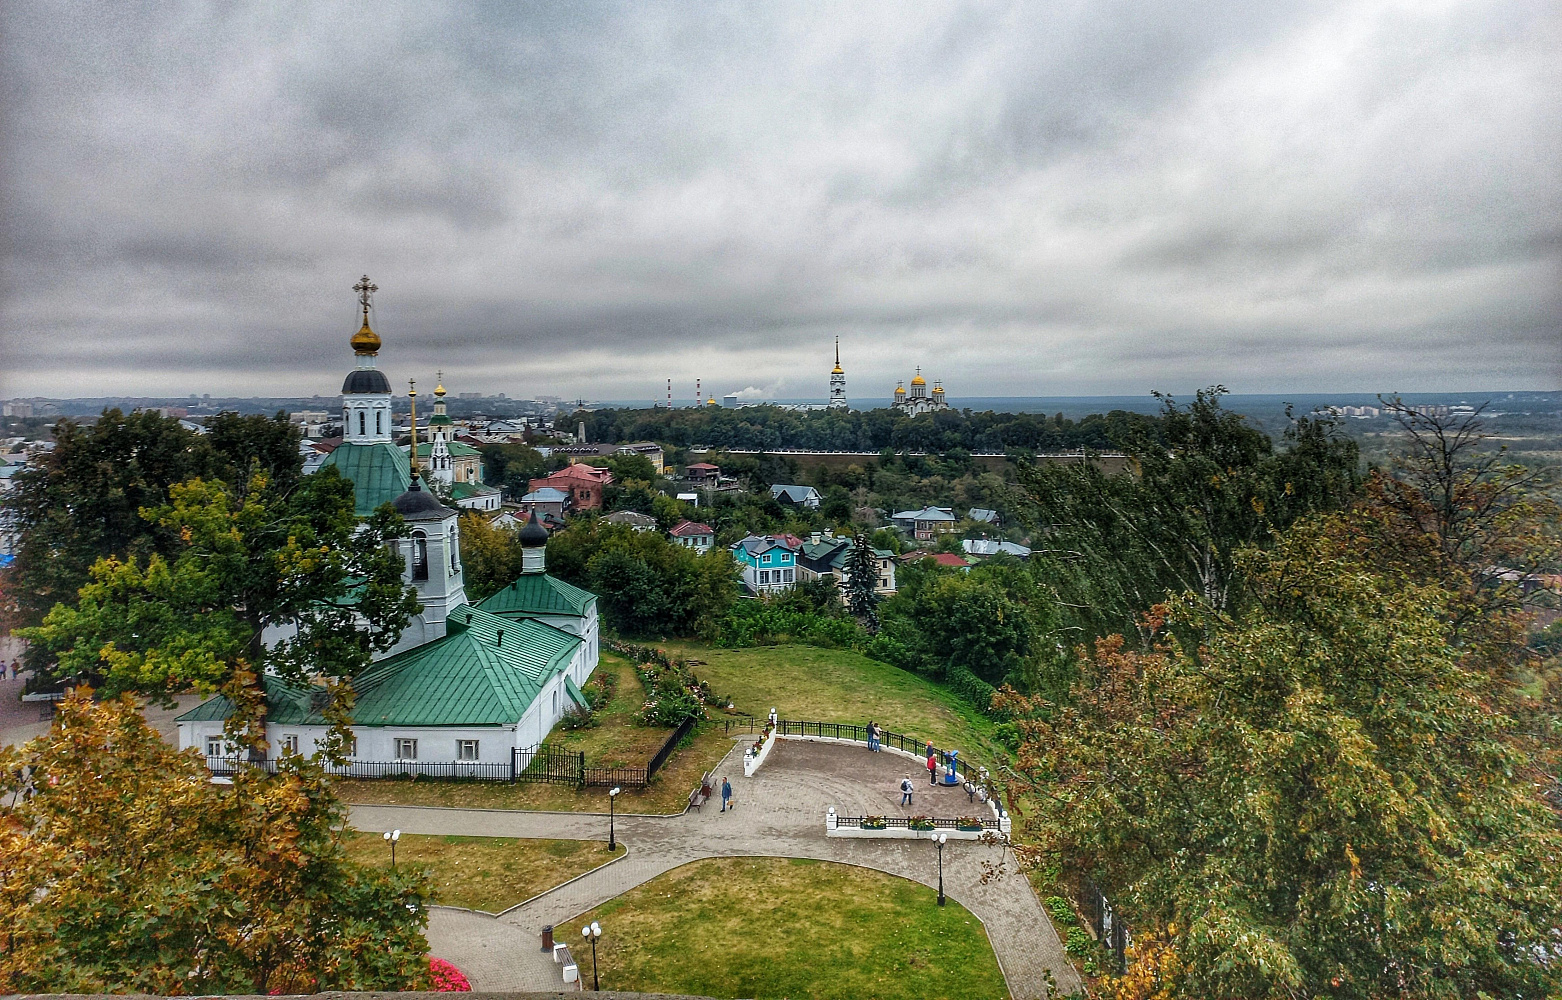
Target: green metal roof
[576, 694]
[485, 672]
[458, 449]
[461, 491]
[379, 472]
[539, 594]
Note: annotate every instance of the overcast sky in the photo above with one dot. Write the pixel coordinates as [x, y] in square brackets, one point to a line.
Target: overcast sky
[567, 198]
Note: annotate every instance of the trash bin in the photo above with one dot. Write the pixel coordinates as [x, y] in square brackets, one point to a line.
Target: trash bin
[547, 938]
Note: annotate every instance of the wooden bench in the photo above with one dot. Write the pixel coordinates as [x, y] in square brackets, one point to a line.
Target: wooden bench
[698, 797]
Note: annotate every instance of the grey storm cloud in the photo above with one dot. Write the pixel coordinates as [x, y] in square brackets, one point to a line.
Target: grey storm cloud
[1048, 199]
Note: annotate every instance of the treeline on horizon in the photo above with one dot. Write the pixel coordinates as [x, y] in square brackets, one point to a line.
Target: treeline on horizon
[767, 427]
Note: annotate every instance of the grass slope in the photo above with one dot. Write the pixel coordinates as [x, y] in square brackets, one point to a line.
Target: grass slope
[776, 927]
[838, 685]
[485, 873]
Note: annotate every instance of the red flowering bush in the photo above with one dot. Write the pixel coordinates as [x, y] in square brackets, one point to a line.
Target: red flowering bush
[447, 978]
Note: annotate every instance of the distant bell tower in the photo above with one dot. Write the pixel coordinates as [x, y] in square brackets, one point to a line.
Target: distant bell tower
[838, 380]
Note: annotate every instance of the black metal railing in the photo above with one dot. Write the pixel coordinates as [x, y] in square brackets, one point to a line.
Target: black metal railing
[928, 824]
[541, 764]
[1108, 925]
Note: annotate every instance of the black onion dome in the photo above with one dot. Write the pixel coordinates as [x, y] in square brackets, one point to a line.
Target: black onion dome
[418, 504]
[365, 380]
[534, 535]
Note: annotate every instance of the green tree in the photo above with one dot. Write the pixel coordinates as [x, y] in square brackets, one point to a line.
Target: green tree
[1207, 486]
[83, 501]
[123, 869]
[490, 556]
[298, 562]
[645, 585]
[1317, 800]
[862, 575]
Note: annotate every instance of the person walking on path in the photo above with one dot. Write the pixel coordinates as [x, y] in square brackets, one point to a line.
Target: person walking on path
[16, 668]
[726, 794]
[932, 769]
[905, 790]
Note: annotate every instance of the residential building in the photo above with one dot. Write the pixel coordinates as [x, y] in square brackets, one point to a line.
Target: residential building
[546, 501]
[702, 475]
[830, 555]
[982, 515]
[18, 408]
[926, 524]
[693, 535]
[634, 519]
[982, 548]
[796, 496]
[768, 562]
[581, 483]
[948, 559]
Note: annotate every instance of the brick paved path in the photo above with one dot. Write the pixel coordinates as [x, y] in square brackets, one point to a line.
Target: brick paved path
[779, 812]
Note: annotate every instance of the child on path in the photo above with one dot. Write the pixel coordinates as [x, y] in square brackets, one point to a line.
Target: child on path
[726, 794]
[905, 790]
[932, 769]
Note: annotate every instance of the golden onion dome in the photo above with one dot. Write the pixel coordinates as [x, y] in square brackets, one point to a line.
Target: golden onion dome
[711, 401]
[900, 390]
[837, 369]
[439, 390]
[366, 341]
[938, 390]
[919, 380]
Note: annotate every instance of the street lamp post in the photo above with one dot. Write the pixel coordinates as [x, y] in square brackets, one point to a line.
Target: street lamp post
[591, 932]
[612, 797]
[391, 836]
[941, 839]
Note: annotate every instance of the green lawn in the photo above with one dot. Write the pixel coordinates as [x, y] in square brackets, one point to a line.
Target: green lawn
[485, 873]
[777, 927]
[837, 685]
[615, 741]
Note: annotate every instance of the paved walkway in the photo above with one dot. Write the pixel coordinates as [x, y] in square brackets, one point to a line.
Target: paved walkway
[779, 813]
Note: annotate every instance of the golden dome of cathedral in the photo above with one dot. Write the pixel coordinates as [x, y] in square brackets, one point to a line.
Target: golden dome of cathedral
[919, 380]
[900, 390]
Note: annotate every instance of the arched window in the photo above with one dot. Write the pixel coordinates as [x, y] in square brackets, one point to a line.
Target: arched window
[360, 422]
[419, 556]
[379, 428]
[455, 548]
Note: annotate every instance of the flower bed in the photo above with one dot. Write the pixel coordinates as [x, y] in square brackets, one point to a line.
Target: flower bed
[920, 823]
[872, 823]
[673, 693]
[447, 978]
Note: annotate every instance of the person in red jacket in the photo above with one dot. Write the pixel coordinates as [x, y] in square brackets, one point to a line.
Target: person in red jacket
[932, 769]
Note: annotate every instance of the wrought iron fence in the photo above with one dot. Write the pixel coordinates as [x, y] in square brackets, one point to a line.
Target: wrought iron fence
[540, 764]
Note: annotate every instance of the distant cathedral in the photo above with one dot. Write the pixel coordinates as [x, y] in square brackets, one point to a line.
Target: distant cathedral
[918, 400]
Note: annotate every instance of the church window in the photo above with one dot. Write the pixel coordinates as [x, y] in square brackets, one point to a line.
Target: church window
[379, 428]
[406, 749]
[466, 749]
[419, 556]
[361, 419]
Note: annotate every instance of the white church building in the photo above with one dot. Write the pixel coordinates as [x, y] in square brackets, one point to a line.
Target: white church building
[462, 684]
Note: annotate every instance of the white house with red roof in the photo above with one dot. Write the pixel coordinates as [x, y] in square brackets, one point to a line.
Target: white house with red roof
[693, 535]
